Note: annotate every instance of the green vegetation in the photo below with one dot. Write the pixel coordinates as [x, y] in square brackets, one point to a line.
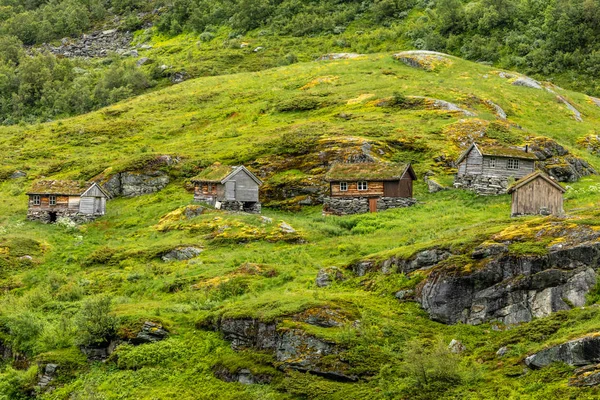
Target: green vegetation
[66, 286]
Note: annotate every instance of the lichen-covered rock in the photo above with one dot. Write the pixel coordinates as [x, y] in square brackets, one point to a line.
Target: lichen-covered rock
[250, 333]
[456, 346]
[47, 376]
[557, 162]
[242, 375]
[422, 260]
[527, 82]
[587, 376]
[151, 332]
[500, 113]
[433, 186]
[579, 352]
[423, 59]
[181, 253]
[133, 184]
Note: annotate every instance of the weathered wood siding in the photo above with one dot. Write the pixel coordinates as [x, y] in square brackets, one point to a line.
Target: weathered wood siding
[472, 164]
[537, 194]
[205, 189]
[62, 202]
[246, 188]
[94, 191]
[406, 187]
[92, 205]
[375, 188]
[74, 202]
[526, 167]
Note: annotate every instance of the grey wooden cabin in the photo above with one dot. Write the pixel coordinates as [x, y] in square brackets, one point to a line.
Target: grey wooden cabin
[232, 188]
[496, 161]
[537, 194]
[53, 199]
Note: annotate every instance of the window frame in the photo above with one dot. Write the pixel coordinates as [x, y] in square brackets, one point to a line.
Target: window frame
[512, 164]
[52, 200]
[492, 162]
[36, 200]
[362, 186]
[343, 186]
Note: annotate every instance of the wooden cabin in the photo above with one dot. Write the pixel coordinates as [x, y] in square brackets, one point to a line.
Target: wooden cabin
[488, 170]
[372, 187]
[52, 199]
[232, 188]
[537, 194]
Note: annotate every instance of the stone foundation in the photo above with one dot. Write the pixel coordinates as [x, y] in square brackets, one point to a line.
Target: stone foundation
[360, 205]
[45, 216]
[237, 206]
[482, 185]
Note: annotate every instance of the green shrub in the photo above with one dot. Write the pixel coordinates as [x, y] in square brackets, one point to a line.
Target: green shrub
[300, 103]
[95, 323]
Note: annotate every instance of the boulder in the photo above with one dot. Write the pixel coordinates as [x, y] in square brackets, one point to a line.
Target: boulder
[48, 375]
[18, 174]
[181, 253]
[433, 186]
[151, 332]
[502, 351]
[242, 375]
[100, 352]
[527, 82]
[587, 376]
[456, 346]
[579, 352]
[422, 59]
[404, 294]
[286, 228]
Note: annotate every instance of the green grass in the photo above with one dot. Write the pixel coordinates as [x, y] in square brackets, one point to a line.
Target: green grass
[234, 119]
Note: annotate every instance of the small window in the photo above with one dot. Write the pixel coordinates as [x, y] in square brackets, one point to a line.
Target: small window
[512, 163]
[363, 185]
[37, 200]
[52, 200]
[343, 186]
[492, 162]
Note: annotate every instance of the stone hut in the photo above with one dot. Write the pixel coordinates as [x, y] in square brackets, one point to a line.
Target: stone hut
[487, 170]
[368, 187]
[231, 188]
[537, 194]
[79, 201]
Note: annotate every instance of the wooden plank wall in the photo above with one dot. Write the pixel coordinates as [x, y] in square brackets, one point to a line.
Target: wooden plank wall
[375, 188]
[529, 199]
[526, 167]
[246, 189]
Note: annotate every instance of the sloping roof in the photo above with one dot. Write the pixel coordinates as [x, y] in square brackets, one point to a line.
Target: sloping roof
[498, 151]
[533, 176]
[368, 172]
[218, 173]
[99, 187]
[71, 188]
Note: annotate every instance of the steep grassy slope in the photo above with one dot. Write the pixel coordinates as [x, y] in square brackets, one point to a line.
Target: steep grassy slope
[276, 121]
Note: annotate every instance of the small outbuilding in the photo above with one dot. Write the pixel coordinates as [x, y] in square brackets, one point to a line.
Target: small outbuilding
[537, 194]
[53, 199]
[232, 188]
[368, 187]
[487, 169]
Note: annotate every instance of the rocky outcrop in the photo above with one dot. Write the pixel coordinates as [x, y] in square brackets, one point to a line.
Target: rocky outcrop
[292, 348]
[586, 376]
[242, 375]
[423, 59]
[100, 352]
[527, 82]
[132, 184]
[48, 376]
[422, 260]
[339, 56]
[326, 276]
[95, 44]
[557, 162]
[579, 352]
[500, 113]
[360, 205]
[511, 289]
[151, 332]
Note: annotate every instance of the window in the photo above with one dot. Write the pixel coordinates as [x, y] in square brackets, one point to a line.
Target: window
[343, 186]
[36, 200]
[491, 162]
[52, 200]
[363, 185]
[512, 163]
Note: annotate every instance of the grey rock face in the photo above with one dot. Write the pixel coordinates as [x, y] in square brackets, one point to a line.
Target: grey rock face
[556, 161]
[243, 376]
[100, 353]
[132, 184]
[151, 332]
[182, 253]
[527, 82]
[326, 276]
[513, 289]
[500, 113]
[421, 260]
[578, 352]
[47, 376]
[586, 377]
[18, 174]
[250, 333]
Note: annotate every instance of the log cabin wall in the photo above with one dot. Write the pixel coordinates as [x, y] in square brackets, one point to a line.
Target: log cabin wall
[62, 202]
[537, 194]
[498, 166]
[374, 189]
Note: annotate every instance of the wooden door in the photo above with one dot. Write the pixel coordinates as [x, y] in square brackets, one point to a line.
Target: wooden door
[373, 205]
[230, 190]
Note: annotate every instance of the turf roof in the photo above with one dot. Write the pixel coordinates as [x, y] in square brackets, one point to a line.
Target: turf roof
[366, 171]
[215, 173]
[512, 152]
[74, 188]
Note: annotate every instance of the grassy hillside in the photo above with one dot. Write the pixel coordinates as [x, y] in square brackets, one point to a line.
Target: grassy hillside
[279, 122]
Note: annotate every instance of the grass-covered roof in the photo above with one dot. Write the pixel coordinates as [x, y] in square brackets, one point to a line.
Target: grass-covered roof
[73, 188]
[366, 172]
[512, 152]
[213, 174]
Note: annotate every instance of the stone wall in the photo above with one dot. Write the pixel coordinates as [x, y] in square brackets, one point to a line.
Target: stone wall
[483, 185]
[44, 216]
[360, 205]
[241, 206]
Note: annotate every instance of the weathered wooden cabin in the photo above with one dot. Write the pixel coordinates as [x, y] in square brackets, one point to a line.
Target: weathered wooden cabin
[487, 169]
[368, 187]
[232, 188]
[537, 194]
[79, 201]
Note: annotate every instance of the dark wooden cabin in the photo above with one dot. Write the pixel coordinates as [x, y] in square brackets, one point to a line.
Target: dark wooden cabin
[53, 199]
[227, 187]
[496, 161]
[537, 194]
[372, 181]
